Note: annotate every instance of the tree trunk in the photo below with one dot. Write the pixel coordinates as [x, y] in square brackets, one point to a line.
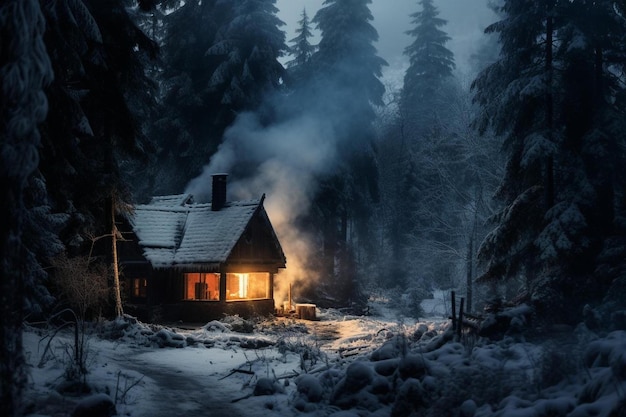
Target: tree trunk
[606, 191]
[119, 312]
[470, 271]
[330, 247]
[12, 368]
[549, 163]
[22, 107]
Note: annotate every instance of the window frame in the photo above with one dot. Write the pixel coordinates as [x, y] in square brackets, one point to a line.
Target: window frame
[138, 290]
[247, 277]
[192, 282]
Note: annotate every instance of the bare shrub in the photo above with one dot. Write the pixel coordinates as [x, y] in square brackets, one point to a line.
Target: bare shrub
[82, 284]
[308, 350]
[82, 287]
[125, 384]
[74, 358]
[475, 381]
[557, 364]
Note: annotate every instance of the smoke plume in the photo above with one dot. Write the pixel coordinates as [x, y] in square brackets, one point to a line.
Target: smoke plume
[282, 161]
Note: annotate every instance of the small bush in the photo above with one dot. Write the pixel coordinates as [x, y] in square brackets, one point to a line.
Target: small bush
[474, 381]
[412, 302]
[310, 353]
[81, 284]
[556, 364]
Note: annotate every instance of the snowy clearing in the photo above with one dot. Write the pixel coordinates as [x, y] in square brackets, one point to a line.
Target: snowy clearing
[341, 366]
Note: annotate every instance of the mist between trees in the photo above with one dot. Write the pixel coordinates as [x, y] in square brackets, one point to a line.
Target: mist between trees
[512, 188]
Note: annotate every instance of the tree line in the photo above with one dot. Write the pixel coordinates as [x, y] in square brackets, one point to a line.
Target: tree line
[515, 181]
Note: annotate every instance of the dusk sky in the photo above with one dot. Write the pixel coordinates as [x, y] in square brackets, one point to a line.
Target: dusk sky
[466, 22]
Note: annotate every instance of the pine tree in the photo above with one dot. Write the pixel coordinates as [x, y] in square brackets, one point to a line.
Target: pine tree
[346, 62]
[42, 242]
[24, 71]
[191, 118]
[346, 70]
[99, 99]
[591, 152]
[430, 69]
[431, 108]
[563, 131]
[302, 49]
[248, 46]
[100, 102]
[220, 59]
[515, 96]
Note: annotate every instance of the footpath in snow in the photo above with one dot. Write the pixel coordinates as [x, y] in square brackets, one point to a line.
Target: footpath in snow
[340, 366]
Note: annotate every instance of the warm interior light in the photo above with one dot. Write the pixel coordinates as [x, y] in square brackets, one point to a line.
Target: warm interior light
[247, 286]
[243, 285]
[202, 286]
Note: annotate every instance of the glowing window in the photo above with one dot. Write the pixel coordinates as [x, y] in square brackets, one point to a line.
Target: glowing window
[140, 287]
[201, 286]
[249, 286]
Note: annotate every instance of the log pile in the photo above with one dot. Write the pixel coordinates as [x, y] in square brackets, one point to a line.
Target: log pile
[306, 311]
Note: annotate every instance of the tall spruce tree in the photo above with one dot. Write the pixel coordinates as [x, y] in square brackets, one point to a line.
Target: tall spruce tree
[99, 100]
[563, 134]
[301, 51]
[424, 97]
[592, 151]
[248, 46]
[190, 120]
[220, 58]
[515, 94]
[346, 62]
[347, 85]
[430, 109]
[24, 71]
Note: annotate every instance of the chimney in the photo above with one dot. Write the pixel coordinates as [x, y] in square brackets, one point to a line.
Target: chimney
[218, 197]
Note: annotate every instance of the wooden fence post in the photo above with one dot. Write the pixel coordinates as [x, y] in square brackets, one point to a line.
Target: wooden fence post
[452, 295]
[460, 328]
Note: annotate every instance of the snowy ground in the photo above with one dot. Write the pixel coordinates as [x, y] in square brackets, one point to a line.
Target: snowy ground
[341, 366]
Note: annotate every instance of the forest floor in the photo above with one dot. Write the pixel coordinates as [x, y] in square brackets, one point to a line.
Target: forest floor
[340, 365]
[146, 375]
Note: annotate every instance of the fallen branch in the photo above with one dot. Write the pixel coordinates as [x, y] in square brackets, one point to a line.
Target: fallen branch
[439, 341]
[317, 370]
[294, 374]
[234, 371]
[347, 355]
[381, 330]
[351, 351]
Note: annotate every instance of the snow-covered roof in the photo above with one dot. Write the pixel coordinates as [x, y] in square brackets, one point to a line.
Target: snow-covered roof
[175, 232]
[172, 200]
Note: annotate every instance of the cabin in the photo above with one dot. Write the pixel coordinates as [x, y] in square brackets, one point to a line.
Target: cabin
[195, 262]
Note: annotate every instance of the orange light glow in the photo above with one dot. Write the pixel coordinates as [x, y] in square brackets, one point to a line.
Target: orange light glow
[201, 286]
[247, 286]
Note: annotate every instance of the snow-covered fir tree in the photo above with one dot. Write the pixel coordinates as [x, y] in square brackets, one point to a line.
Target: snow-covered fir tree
[432, 115]
[220, 58]
[515, 95]
[554, 96]
[24, 71]
[191, 118]
[100, 102]
[346, 85]
[301, 50]
[591, 48]
[347, 58]
[427, 78]
[248, 46]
